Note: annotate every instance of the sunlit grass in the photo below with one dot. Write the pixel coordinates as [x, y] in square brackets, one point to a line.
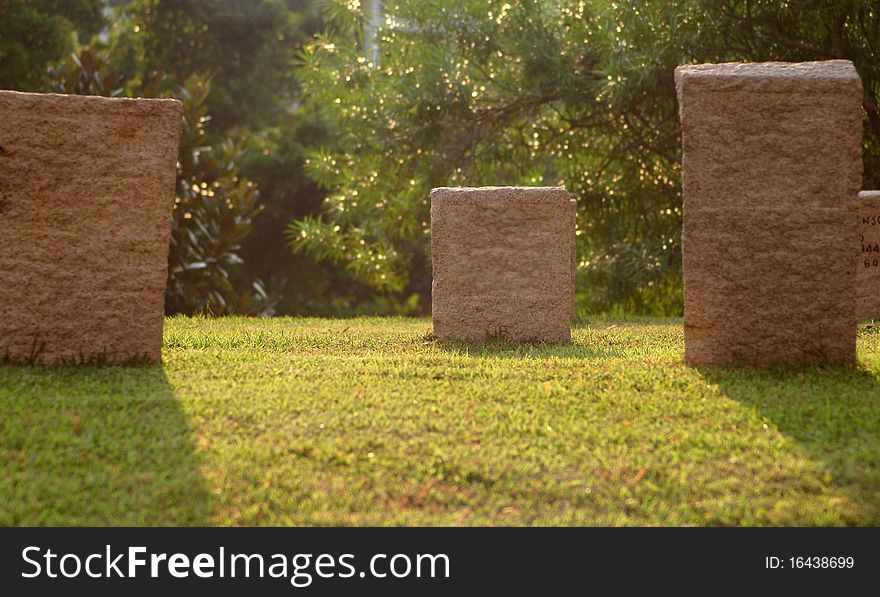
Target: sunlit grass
[369, 422]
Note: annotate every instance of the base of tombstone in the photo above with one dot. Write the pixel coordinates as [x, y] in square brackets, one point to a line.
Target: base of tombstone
[86, 199]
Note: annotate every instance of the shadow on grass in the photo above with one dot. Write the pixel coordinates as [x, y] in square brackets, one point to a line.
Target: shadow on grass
[832, 413]
[96, 446]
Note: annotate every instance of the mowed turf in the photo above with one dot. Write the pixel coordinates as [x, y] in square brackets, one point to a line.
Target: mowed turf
[371, 422]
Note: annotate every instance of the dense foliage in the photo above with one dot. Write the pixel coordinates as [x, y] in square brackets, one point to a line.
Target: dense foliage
[214, 205]
[36, 33]
[389, 99]
[540, 92]
[249, 49]
[231, 63]
[214, 210]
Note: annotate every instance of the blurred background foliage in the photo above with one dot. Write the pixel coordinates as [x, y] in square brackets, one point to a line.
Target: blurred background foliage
[539, 93]
[314, 129]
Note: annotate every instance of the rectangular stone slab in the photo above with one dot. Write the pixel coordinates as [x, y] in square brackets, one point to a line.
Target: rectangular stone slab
[771, 171]
[868, 267]
[86, 195]
[503, 260]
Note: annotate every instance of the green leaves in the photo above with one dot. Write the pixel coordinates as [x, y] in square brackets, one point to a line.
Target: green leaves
[465, 93]
[214, 210]
[36, 33]
[85, 72]
[540, 92]
[365, 258]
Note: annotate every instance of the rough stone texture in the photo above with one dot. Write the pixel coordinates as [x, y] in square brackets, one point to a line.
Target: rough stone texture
[772, 169]
[868, 295]
[86, 194]
[504, 260]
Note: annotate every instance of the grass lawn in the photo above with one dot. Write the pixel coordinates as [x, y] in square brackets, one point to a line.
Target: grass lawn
[367, 422]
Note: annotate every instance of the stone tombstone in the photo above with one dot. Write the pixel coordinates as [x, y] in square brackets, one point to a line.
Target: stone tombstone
[86, 195]
[868, 295]
[771, 171]
[504, 263]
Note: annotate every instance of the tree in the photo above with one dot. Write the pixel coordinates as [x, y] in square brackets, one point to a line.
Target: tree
[249, 48]
[242, 133]
[214, 205]
[539, 92]
[36, 33]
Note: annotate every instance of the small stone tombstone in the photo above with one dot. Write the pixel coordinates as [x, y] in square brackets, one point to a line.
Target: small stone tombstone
[868, 296]
[503, 263]
[771, 170]
[86, 195]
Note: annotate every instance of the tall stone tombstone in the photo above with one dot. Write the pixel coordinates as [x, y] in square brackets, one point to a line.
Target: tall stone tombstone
[86, 195]
[868, 295]
[771, 171]
[503, 263]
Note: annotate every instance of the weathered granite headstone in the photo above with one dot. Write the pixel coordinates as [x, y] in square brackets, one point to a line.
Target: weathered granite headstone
[771, 169]
[868, 296]
[504, 263]
[86, 194]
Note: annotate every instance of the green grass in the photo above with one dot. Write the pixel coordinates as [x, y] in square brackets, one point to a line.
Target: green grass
[367, 422]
